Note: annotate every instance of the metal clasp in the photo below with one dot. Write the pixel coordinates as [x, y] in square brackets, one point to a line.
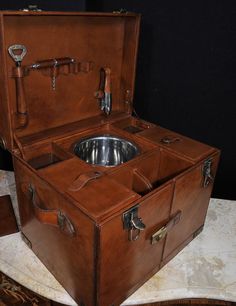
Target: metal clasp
[163, 231]
[206, 172]
[160, 234]
[133, 223]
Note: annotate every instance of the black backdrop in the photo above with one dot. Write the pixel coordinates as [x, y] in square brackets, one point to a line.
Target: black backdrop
[186, 72]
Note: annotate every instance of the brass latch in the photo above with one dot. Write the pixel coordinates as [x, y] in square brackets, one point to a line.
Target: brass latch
[133, 223]
[162, 232]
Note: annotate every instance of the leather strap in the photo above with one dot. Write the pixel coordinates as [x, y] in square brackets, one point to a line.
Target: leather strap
[53, 217]
[18, 72]
[173, 221]
[83, 179]
[107, 86]
[143, 178]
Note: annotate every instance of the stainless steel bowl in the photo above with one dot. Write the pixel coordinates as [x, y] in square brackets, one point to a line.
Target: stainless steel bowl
[105, 150]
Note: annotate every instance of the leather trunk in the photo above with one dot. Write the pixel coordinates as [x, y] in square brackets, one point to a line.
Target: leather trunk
[101, 229]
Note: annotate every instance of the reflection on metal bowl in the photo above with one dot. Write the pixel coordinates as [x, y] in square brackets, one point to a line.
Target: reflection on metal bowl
[105, 150]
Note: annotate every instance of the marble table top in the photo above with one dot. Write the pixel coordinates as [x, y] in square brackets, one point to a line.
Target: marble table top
[206, 268]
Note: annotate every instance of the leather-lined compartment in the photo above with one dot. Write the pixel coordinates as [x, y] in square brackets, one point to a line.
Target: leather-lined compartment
[133, 125]
[42, 155]
[114, 138]
[69, 142]
[46, 155]
[150, 171]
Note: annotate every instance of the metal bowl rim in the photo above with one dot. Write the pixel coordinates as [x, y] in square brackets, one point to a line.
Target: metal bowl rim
[114, 137]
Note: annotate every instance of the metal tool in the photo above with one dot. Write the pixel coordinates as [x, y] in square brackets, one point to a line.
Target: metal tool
[104, 92]
[18, 52]
[53, 65]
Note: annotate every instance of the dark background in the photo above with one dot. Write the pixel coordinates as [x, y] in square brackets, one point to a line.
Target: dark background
[186, 73]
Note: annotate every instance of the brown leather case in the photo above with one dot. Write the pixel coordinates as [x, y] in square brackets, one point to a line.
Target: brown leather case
[102, 231]
[8, 223]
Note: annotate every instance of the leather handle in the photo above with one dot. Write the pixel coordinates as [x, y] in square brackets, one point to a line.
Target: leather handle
[83, 180]
[22, 113]
[143, 178]
[105, 83]
[107, 86]
[163, 231]
[53, 217]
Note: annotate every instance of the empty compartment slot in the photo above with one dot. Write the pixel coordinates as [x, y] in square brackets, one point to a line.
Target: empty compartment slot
[50, 154]
[132, 129]
[151, 172]
[44, 160]
[170, 166]
[133, 125]
[141, 174]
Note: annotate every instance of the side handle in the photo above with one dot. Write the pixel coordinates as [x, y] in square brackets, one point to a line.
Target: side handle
[143, 179]
[53, 217]
[83, 179]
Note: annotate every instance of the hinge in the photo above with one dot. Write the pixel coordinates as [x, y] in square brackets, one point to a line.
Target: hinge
[207, 173]
[31, 8]
[120, 11]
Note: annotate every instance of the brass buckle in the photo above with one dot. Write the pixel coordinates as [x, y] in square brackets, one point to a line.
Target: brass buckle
[160, 234]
